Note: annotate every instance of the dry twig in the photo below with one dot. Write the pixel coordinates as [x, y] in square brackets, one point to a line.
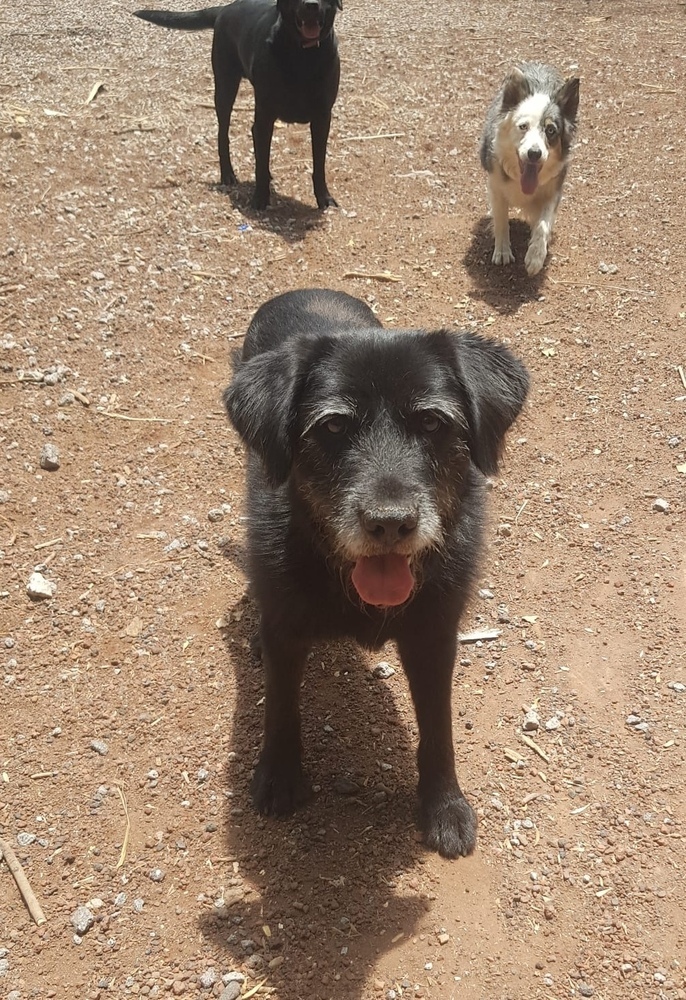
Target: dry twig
[20, 878]
[127, 832]
[375, 276]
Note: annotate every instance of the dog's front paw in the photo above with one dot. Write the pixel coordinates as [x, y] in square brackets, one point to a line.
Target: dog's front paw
[535, 256]
[449, 824]
[327, 201]
[503, 255]
[260, 200]
[279, 787]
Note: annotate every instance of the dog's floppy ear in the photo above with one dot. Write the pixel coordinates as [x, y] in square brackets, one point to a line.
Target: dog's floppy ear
[496, 384]
[515, 89]
[260, 402]
[339, 4]
[567, 98]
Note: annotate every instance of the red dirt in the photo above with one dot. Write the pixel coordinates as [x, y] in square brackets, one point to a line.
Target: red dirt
[130, 277]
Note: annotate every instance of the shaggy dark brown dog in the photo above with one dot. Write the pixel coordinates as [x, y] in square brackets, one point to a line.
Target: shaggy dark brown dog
[368, 455]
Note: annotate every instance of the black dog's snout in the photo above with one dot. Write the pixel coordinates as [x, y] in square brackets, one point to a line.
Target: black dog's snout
[390, 526]
[534, 155]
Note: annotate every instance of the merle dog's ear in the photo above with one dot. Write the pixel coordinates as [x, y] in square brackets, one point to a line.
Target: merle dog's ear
[260, 402]
[496, 384]
[515, 89]
[567, 98]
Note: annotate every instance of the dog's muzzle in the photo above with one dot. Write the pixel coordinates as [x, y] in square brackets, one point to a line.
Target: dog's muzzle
[309, 22]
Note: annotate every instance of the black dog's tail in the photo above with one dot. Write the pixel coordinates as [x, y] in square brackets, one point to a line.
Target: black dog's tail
[192, 20]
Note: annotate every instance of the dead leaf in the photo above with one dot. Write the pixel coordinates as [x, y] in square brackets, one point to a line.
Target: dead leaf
[94, 91]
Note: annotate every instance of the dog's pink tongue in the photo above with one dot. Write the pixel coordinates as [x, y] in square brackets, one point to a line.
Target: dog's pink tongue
[384, 581]
[529, 178]
[310, 31]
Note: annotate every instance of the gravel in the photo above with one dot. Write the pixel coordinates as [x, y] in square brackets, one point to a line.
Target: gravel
[39, 588]
[82, 920]
[49, 457]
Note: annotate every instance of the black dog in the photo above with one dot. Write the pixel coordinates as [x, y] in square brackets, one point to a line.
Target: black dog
[288, 51]
[368, 451]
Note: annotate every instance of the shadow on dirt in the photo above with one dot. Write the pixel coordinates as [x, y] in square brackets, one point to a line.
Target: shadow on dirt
[289, 219]
[316, 892]
[504, 289]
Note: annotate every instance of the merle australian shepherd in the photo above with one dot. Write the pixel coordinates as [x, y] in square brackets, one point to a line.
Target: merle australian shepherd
[525, 150]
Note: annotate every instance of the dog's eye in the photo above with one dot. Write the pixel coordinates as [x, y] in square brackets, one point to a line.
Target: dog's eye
[335, 424]
[550, 132]
[429, 423]
[523, 126]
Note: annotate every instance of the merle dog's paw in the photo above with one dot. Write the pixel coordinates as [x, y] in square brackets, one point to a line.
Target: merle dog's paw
[503, 255]
[279, 788]
[535, 256]
[449, 824]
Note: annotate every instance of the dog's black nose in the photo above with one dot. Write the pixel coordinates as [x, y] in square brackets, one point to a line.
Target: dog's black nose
[534, 155]
[390, 526]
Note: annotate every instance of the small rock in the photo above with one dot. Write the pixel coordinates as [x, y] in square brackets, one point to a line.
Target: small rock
[138, 905]
[383, 670]
[503, 614]
[203, 774]
[82, 920]
[505, 530]
[49, 457]
[4, 496]
[607, 268]
[231, 992]
[661, 506]
[486, 594]
[677, 686]
[216, 514]
[585, 990]
[178, 987]
[156, 875]
[633, 720]
[208, 979]
[25, 839]
[443, 938]
[346, 786]
[100, 747]
[233, 977]
[120, 899]
[531, 722]
[40, 589]
[552, 724]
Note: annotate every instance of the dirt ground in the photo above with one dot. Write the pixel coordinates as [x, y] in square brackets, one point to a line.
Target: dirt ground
[131, 709]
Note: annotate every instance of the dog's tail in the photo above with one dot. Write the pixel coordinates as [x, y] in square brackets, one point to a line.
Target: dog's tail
[192, 20]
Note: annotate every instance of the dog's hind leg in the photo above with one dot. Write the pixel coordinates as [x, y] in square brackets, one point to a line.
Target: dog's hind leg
[319, 130]
[541, 231]
[279, 784]
[262, 132]
[448, 820]
[227, 79]
[502, 252]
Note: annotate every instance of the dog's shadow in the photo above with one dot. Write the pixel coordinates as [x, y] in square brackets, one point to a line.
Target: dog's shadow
[504, 289]
[289, 219]
[316, 898]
